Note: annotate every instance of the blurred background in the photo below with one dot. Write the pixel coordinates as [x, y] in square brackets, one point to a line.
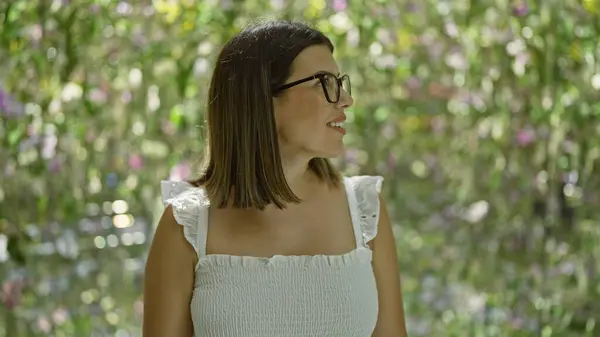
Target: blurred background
[483, 116]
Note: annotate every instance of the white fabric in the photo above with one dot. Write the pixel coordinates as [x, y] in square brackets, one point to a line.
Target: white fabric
[190, 208]
[366, 191]
[292, 296]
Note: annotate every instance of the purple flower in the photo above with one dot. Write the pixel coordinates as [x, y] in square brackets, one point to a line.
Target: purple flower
[521, 9]
[413, 7]
[9, 107]
[55, 165]
[123, 8]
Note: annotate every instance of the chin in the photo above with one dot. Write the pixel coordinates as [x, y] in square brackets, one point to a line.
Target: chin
[331, 152]
[325, 148]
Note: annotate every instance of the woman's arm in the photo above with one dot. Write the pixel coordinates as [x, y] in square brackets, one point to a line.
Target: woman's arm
[390, 322]
[169, 281]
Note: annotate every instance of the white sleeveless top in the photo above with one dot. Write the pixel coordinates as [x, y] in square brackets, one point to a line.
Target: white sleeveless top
[291, 296]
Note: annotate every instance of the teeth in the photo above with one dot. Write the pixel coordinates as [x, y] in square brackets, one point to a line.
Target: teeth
[337, 124]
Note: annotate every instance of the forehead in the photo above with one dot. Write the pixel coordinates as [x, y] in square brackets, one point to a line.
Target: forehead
[313, 59]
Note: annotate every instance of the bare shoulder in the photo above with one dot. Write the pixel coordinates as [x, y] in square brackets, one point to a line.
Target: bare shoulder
[168, 280]
[170, 240]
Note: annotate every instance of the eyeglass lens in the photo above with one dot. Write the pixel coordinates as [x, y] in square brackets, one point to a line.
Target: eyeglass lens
[333, 86]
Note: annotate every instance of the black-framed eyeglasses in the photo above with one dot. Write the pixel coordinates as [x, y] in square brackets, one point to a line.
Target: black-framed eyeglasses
[332, 85]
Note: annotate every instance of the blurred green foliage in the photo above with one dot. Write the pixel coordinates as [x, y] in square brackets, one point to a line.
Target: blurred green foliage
[488, 135]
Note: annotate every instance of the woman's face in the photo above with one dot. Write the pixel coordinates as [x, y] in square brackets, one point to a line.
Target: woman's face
[303, 114]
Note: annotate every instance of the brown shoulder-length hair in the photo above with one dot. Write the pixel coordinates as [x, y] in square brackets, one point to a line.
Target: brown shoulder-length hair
[242, 158]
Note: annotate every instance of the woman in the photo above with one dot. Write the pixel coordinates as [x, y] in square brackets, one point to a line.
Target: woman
[271, 240]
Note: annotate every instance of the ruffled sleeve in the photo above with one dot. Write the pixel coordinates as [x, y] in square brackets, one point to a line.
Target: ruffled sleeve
[189, 204]
[366, 190]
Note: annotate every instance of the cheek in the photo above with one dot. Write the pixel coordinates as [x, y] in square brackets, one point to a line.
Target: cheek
[312, 109]
[302, 118]
[302, 111]
[296, 128]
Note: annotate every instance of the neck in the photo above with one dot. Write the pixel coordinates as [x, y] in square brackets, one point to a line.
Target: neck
[298, 175]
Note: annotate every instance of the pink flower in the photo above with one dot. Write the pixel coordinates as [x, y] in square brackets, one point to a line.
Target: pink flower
[136, 161]
[11, 293]
[60, 315]
[43, 323]
[339, 5]
[90, 136]
[180, 172]
[168, 128]
[98, 95]
[35, 32]
[525, 137]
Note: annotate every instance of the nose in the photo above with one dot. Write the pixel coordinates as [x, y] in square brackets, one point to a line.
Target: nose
[345, 101]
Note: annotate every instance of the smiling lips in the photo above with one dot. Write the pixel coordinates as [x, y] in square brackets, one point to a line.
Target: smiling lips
[338, 124]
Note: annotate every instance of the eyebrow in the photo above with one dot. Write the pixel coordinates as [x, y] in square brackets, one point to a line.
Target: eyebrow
[327, 72]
